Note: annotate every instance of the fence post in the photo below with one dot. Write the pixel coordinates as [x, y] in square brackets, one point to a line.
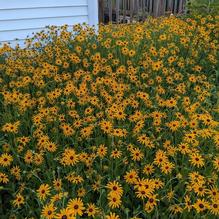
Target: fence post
[131, 10]
[100, 10]
[161, 7]
[137, 9]
[124, 10]
[181, 6]
[110, 10]
[117, 11]
[175, 6]
[156, 7]
[144, 2]
[150, 6]
[170, 6]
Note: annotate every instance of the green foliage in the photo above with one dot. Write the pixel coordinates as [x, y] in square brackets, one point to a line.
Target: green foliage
[203, 6]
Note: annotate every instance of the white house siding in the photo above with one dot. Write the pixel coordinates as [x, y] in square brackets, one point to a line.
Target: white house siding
[20, 18]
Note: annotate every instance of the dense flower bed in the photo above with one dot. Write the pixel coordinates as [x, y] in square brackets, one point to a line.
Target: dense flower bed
[123, 124]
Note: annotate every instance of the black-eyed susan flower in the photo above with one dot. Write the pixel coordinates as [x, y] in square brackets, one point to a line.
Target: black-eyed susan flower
[197, 160]
[91, 210]
[57, 183]
[201, 205]
[43, 191]
[3, 178]
[64, 214]
[112, 216]
[69, 157]
[76, 206]
[6, 159]
[131, 177]
[19, 200]
[48, 211]
[102, 151]
[115, 187]
[214, 207]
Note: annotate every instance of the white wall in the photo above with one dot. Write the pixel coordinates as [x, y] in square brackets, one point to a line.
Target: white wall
[19, 18]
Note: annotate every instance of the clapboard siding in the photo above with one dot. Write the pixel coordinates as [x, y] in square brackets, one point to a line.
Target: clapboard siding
[31, 13]
[12, 35]
[15, 4]
[40, 22]
[19, 19]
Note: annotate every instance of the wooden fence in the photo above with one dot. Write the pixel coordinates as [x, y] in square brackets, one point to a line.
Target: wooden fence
[121, 11]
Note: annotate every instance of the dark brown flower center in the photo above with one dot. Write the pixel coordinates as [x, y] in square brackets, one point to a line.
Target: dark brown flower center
[114, 188]
[76, 207]
[200, 189]
[49, 212]
[151, 200]
[201, 205]
[215, 205]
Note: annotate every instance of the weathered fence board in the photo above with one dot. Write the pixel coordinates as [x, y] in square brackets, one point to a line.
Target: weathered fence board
[110, 11]
[120, 10]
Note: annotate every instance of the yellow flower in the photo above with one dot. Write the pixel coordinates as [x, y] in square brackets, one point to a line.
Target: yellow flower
[114, 200]
[6, 160]
[115, 187]
[69, 157]
[19, 200]
[112, 216]
[201, 205]
[91, 210]
[136, 154]
[64, 214]
[48, 211]
[102, 151]
[197, 160]
[76, 206]
[43, 191]
[3, 178]
[131, 177]
[116, 153]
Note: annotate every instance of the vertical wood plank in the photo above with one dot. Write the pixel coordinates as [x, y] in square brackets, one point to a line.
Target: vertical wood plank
[161, 8]
[101, 11]
[146, 5]
[144, 9]
[180, 10]
[137, 9]
[117, 11]
[170, 6]
[165, 6]
[131, 10]
[124, 10]
[110, 10]
[150, 7]
[175, 6]
[156, 7]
